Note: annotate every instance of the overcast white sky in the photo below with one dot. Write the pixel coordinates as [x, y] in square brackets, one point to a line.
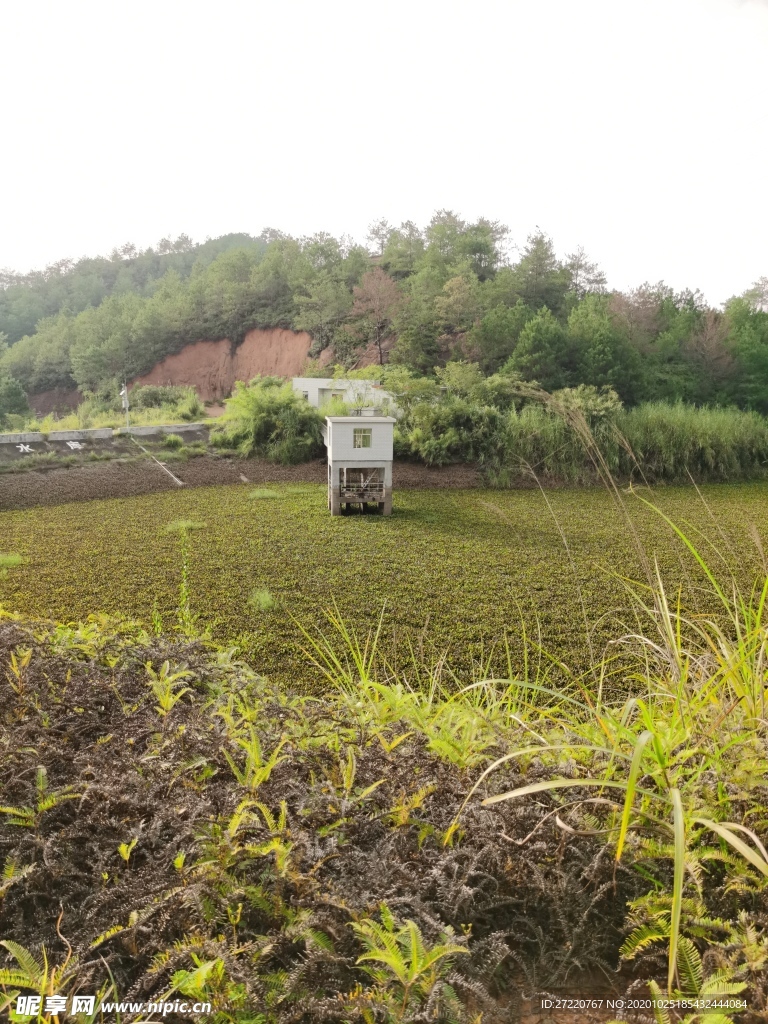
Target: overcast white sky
[636, 129]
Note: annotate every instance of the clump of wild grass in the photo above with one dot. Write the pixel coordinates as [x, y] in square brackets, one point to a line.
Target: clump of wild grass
[183, 528]
[39, 460]
[173, 441]
[9, 561]
[261, 600]
[263, 494]
[674, 442]
[150, 405]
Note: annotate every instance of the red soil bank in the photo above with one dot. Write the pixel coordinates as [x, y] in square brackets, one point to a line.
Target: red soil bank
[212, 367]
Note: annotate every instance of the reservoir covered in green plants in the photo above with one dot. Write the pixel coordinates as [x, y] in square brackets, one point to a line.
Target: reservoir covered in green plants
[462, 573]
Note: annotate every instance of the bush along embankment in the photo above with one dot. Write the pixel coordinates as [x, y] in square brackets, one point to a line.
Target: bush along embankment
[402, 848]
[149, 404]
[268, 418]
[514, 431]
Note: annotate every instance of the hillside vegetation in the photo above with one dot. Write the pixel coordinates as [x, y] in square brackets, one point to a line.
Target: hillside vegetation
[453, 290]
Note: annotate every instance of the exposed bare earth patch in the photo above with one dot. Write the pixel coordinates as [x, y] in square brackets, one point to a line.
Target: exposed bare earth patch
[59, 400]
[212, 367]
[122, 479]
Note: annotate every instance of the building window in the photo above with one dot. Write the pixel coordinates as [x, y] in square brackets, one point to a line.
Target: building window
[305, 395]
[337, 394]
[361, 437]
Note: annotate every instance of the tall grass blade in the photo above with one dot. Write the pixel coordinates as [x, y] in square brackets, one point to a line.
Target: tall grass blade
[549, 784]
[678, 818]
[724, 830]
[634, 771]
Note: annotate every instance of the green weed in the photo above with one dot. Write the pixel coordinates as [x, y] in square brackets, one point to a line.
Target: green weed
[261, 600]
[399, 953]
[263, 493]
[46, 800]
[167, 686]
[187, 621]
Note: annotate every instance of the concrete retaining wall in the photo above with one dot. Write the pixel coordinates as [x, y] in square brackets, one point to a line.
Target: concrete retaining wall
[172, 428]
[21, 438]
[100, 432]
[80, 435]
[179, 428]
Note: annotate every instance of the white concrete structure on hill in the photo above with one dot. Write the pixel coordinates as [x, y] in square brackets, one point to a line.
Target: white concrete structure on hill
[357, 393]
[359, 461]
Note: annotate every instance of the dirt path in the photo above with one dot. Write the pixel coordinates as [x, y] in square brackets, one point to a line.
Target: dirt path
[122, 479]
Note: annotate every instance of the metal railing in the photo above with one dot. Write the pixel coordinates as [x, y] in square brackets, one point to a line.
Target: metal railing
[372, 490]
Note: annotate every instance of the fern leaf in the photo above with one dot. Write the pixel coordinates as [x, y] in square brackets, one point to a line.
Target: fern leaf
[689, 966]
[15, 978]
[642, 937]
[387, 918]
[108, 934]
[660, 1013]
[26, 961]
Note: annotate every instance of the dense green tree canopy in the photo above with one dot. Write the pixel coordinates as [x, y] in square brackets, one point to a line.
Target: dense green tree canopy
[541, 353]
[13, 401]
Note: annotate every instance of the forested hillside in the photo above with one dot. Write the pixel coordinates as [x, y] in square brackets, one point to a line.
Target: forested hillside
[71, 285]
[455, 290]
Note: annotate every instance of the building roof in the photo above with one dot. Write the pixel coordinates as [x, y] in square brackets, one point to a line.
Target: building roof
[360, 420]
[337, 381]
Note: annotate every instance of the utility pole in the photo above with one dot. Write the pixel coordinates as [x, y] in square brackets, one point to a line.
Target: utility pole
[124, 396]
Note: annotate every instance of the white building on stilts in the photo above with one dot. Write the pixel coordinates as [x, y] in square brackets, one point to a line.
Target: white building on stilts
[359, 461]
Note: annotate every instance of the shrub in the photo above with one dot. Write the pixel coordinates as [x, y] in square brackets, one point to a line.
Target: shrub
[266, 417]
[104, 398]
[451, 431]
[13, 400]
[191, 408]
[173, 441]
[336, 407]
[153, 396]
[13, 423]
